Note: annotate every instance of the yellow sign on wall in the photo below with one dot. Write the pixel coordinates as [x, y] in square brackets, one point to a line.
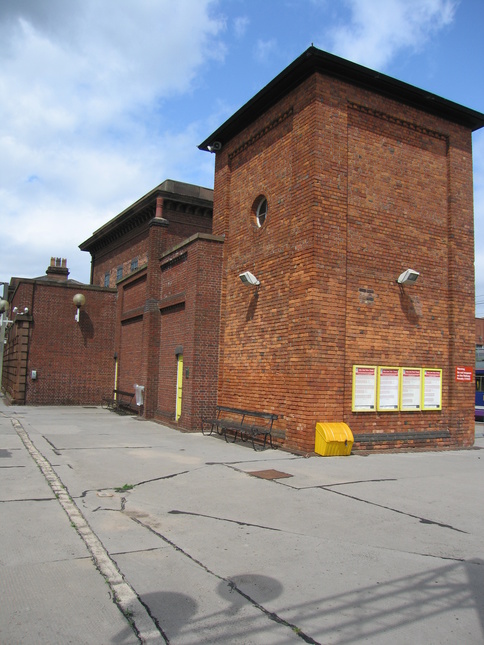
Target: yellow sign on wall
[391, 389]
[388, 392]
[364, 388]
[431, 389]
[410, 389]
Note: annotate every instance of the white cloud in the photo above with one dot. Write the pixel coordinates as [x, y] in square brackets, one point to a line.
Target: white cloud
[80, 134]
[378, 29]
[240, 26]
[264, 49]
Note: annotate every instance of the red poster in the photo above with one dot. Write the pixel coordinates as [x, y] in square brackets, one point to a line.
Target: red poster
[465, 374]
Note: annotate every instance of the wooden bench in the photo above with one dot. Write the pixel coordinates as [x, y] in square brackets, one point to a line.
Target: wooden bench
[120, 402]
[248, 424]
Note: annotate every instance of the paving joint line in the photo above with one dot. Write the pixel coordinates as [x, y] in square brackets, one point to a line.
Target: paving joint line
[124, 596]
[230, 583]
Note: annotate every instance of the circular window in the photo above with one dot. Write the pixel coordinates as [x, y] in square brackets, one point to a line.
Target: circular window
[261, 211]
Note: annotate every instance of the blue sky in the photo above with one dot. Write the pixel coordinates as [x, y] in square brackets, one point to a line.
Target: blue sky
[102, 100]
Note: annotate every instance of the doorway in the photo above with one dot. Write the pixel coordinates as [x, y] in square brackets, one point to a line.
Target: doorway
[179, 385]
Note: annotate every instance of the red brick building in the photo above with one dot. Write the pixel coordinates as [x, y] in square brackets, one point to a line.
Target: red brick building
[479, 332]
[49, 357]
[150, 316]
[166, 265]
[329, 184]
[360, 177]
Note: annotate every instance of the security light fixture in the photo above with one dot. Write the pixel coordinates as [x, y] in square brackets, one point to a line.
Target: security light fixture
[20, 311]
[248, 278]
[79, 300]
[409, 276]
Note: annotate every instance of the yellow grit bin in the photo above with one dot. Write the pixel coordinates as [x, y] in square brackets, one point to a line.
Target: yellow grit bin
[333, 439]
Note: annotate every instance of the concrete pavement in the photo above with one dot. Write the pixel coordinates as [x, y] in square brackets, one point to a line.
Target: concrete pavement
[119, 530]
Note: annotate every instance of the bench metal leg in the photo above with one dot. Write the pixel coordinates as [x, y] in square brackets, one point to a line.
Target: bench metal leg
[207, 434]
[225, 430]
[266, 434]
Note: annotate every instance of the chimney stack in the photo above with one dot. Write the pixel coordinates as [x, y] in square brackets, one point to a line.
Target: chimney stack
[57, 269]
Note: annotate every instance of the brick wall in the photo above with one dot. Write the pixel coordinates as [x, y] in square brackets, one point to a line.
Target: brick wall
[172, 303]
[73, 361]
[183, 220]
[120, 254]
[190, 308]
[359, 188]
[479, 331]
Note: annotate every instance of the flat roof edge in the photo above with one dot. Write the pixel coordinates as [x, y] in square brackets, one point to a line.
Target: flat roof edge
[315, 60]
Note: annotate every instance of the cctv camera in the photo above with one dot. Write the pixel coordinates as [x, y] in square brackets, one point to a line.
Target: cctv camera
[248, 278]
[408, 276]
[215, 147]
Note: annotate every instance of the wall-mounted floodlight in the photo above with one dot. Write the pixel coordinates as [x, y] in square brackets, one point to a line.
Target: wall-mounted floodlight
[409, 276]
[248, 278]
[3, 306]
[22, 310]
[79, 300]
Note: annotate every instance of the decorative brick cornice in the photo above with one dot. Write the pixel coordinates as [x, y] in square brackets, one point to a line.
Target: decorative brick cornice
[393, 119]
[190, 209]
[173, 261]
[132, 225]
[258, 135]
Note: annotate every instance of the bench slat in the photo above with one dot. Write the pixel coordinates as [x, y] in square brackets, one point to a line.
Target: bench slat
[121, 401]
[223, 424]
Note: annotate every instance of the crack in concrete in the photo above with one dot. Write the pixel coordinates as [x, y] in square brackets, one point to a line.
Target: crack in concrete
[157, 479]
[2, 467]
[446, 557]
[224, 519]
[153, 548]
[147, 481]
[55, 450]
[329, 487]
[245, 461]
[117, 447]
[232, 585]
[423, 520]
[30, 499]
[356, 481]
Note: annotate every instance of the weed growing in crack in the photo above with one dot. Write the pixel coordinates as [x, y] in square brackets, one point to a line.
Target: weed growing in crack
[125, 487]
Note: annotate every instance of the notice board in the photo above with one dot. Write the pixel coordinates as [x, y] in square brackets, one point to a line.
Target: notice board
[411, 389]
[364, 388]
[431, 389]
[388, 389]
